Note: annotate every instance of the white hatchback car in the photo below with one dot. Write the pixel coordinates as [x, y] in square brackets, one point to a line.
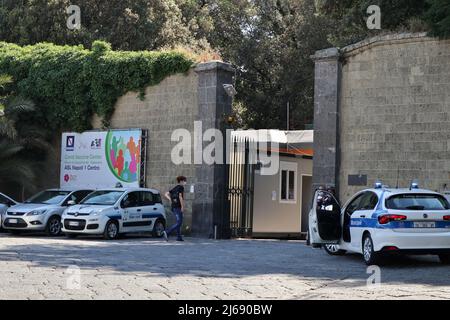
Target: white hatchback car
[5, 203]
[42, 212]
[110, 212]
[375, 222]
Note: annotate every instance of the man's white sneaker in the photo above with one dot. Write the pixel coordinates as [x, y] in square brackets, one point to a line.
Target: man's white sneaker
[164, 234]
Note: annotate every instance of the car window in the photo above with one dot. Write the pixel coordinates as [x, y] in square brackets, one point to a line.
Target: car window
[77, 196]
[130, 200]
[102, 197]
[353, 205]
[410, 201]
[48, 197]
[157, 198]
[147, 198]
[3, 200]
[368, 201]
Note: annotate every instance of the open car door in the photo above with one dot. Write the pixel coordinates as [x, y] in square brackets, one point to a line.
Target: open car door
[325, 219]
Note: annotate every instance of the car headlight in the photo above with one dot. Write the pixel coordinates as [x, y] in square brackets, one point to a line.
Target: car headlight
[36, 212]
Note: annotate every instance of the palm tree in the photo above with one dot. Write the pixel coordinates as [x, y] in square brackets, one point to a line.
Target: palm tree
[17, 142]
[13, 168]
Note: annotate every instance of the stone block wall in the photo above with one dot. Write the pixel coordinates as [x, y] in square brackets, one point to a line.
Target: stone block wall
[393, 110]
[170, 105]
[176, 103]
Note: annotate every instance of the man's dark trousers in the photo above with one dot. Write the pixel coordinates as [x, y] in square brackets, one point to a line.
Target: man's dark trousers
[177, 226]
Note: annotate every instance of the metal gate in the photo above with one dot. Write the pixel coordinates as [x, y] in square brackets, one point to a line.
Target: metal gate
[241, 172]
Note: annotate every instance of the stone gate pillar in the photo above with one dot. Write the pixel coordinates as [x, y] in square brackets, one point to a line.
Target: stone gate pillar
[326, 117]
[209, 207]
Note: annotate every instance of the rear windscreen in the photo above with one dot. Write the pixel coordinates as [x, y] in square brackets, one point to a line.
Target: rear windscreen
[417, 202]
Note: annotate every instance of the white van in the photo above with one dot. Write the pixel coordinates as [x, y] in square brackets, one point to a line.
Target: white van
[110, 212]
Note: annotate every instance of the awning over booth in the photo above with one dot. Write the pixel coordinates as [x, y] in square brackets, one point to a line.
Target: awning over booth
[297, 142]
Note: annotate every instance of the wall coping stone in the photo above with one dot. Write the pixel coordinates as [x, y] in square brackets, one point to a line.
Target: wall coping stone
[214, 65]
[334, 53]
[383, 40]
[326, 54]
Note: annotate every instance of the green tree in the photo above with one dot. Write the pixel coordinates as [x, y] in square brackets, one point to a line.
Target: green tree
[270, 42]
[438, 17]
[22, 145]
[350, 17]
[126, 24]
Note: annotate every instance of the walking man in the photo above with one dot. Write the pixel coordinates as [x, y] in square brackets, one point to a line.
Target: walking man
[176, 198]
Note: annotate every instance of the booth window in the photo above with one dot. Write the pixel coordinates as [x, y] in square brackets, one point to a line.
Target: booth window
[288, 182]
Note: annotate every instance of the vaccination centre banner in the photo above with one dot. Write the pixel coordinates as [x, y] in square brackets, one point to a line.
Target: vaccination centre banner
[101, 159]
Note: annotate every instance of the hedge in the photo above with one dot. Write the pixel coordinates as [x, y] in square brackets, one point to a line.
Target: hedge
[70, 83]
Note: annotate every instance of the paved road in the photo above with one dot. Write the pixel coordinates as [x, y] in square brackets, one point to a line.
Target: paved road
[36, 267]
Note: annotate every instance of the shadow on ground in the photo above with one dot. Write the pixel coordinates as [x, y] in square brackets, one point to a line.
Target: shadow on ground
[208, 258]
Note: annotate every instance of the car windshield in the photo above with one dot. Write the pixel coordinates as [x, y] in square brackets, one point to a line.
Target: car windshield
[102, 197]
[48, 197]
[417, 202]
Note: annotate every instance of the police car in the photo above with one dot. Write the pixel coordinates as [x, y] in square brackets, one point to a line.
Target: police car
[378, 221]
[110, 212]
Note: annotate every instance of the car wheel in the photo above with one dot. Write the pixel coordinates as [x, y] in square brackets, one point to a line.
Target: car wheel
[111, 230]
[333, 249]
[370, 256]
[158, 228]
[53, 227]
[445, 258]
[71, 235]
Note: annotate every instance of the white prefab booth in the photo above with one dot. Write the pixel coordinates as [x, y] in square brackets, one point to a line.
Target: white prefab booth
[281, 201]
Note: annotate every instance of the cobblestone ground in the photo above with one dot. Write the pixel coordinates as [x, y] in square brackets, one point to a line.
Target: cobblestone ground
[36, 267]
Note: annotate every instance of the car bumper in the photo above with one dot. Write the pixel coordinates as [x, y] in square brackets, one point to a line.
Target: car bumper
[85, 225]
[409, 241]
[33, 223]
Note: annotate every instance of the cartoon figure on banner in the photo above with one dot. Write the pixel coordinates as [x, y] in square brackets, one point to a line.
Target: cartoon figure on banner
[124, 155]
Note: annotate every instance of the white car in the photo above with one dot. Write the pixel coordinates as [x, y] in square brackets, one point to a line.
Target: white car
[5, 203]
[110, 212]
[376, 222]
[42, 212]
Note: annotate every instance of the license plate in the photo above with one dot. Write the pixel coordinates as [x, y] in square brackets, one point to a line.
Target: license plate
[13, 221]
[74, 223]
[424, 224]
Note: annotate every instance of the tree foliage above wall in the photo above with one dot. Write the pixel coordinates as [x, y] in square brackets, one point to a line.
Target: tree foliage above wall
[269, 41]
[70, 83]
[438, 17]
[396, 16]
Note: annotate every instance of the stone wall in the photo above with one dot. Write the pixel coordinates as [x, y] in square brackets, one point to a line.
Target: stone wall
[393, 111]
[176, 103]
[170, 105]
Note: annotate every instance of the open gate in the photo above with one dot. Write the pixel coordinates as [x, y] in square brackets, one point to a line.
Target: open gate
[240, 189]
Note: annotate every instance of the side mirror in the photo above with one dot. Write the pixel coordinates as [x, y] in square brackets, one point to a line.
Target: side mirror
[71, 203]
